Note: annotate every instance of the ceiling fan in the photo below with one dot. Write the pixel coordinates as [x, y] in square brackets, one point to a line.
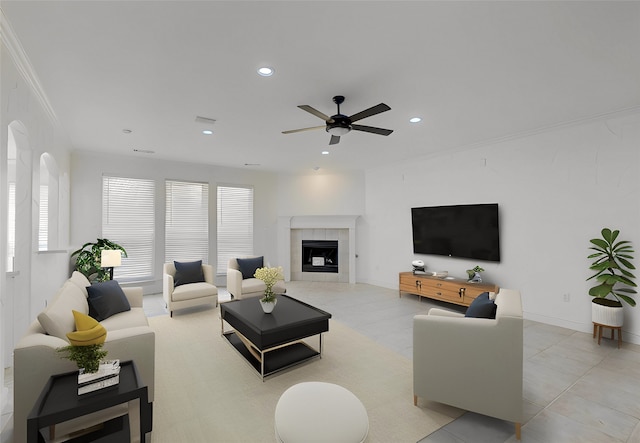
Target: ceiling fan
[339, 124]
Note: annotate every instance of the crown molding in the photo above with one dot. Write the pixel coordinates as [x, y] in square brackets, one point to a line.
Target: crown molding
[19, 57]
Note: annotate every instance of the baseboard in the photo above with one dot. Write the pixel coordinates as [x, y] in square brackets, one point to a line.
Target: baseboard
[627, 336]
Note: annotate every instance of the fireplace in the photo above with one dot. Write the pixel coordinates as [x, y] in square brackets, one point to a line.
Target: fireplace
[320, 256]
[292, 230]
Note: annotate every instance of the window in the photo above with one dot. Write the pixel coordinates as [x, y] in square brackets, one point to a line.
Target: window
[186, 221]
[11, 200]
[11, 228]
[43, 224]
[128, 219]
[235, 224]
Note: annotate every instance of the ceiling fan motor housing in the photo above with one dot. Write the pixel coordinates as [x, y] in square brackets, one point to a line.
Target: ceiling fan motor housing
[340, 126]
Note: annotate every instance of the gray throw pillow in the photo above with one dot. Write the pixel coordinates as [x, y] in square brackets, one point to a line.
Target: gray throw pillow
[482, 307]
[248, 266]
[188, 272]
[106, 299]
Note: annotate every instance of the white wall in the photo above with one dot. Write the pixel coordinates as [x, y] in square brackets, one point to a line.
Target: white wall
[319, 193]
[37, 275]
[555, 189]
[86, 200]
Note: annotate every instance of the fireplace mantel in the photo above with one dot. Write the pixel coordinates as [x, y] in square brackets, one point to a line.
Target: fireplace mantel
[287, 223]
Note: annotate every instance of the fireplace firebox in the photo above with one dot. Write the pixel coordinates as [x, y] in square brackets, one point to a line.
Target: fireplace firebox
[320, 256]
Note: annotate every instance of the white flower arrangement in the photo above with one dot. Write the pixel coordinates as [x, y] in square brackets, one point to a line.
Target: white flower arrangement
[269, 276]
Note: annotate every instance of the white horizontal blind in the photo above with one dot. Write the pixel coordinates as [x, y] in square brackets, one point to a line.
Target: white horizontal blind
[186, 221]
[11, 228]
[235, 224]
[128, 218]
[43, 222]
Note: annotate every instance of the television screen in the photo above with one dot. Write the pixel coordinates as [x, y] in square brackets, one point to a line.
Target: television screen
[465, 231]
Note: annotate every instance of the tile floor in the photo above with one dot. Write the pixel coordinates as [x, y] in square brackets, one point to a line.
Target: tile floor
[574, 390]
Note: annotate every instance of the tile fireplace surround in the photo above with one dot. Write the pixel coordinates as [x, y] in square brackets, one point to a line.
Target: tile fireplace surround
[291, 232]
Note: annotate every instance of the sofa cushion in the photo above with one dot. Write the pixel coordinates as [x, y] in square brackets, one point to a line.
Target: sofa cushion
[125, 320]
[88, 331]
[57, 318]
[188, 272]
[193, 290]
[106, 299]
[482, 307]
[248, 266]
[79, 279]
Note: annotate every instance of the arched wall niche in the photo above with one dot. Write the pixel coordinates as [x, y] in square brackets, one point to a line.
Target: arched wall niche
[16, 295]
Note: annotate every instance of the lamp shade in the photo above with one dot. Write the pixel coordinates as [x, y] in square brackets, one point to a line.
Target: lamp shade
[110, 258]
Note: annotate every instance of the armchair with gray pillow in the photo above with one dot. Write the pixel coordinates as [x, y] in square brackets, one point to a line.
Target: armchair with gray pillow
[473, 362]
[187, 284]
[240, 280]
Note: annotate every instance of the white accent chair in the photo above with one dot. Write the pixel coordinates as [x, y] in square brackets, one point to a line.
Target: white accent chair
[472, 363]
[188, 295]
[240, 288]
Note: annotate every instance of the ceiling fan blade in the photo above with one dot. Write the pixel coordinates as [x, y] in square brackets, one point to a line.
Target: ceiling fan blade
[377, 109]
[335, 139]
[292, 131]
[315, 112]
[371, 129]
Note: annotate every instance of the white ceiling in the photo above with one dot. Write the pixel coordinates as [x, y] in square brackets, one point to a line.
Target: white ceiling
[474, 71]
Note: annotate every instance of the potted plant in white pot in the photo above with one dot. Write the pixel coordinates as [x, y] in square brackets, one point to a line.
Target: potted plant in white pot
[612, 268]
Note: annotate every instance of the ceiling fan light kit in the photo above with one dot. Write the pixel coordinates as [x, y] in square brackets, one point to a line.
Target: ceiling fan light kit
[338, 125]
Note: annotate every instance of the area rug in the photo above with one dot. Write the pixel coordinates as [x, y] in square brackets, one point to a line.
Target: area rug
[206, 392]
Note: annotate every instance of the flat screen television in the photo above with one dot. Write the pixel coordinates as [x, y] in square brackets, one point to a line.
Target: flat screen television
[465, 231]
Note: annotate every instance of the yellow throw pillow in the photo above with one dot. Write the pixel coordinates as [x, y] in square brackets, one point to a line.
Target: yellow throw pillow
[88, 331]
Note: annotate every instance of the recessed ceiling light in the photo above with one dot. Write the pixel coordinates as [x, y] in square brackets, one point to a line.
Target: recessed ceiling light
[127, 131]
[325, 152]
[415, 119]
[266, 71]
[207, 132]
[316, 168]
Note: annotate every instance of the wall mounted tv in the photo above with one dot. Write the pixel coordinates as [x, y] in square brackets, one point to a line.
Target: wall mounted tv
[465, 231]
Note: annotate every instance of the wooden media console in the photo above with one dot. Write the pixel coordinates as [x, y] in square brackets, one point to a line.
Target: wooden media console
[451, 290]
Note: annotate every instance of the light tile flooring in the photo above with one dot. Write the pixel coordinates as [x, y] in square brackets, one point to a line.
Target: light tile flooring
[575, 390]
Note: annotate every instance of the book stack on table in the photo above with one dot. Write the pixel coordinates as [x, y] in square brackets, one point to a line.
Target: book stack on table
[108, 374]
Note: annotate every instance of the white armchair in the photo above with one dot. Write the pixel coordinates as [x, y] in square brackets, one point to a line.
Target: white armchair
[472, 363]
[240, 288]
[190, 294]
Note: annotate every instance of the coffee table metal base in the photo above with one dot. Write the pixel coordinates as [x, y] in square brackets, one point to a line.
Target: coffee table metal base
[270, 361]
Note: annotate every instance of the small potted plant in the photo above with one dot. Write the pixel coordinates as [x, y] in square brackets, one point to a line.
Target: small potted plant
[612, 268]
[269, 276]
[89, 257]
[474, 274]
[87, 357]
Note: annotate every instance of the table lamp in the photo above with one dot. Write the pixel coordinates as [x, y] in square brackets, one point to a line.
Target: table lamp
[110, 258]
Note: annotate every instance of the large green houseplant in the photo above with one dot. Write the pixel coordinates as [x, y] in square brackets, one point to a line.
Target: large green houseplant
[612, 266]
[89, 257]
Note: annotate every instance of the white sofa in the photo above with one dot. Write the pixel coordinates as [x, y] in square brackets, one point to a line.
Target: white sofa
[472, 363]
[129, 337]
[240, 288]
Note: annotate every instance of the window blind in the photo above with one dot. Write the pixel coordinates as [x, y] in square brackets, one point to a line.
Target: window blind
[235, 224]
[43, 222]
[186, 221]
[128, 218]
[11, 228]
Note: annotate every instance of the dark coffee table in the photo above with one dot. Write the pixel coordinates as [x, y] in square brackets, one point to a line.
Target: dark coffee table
[273, 342]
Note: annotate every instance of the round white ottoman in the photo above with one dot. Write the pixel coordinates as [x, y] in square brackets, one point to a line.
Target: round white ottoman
[320, 412]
